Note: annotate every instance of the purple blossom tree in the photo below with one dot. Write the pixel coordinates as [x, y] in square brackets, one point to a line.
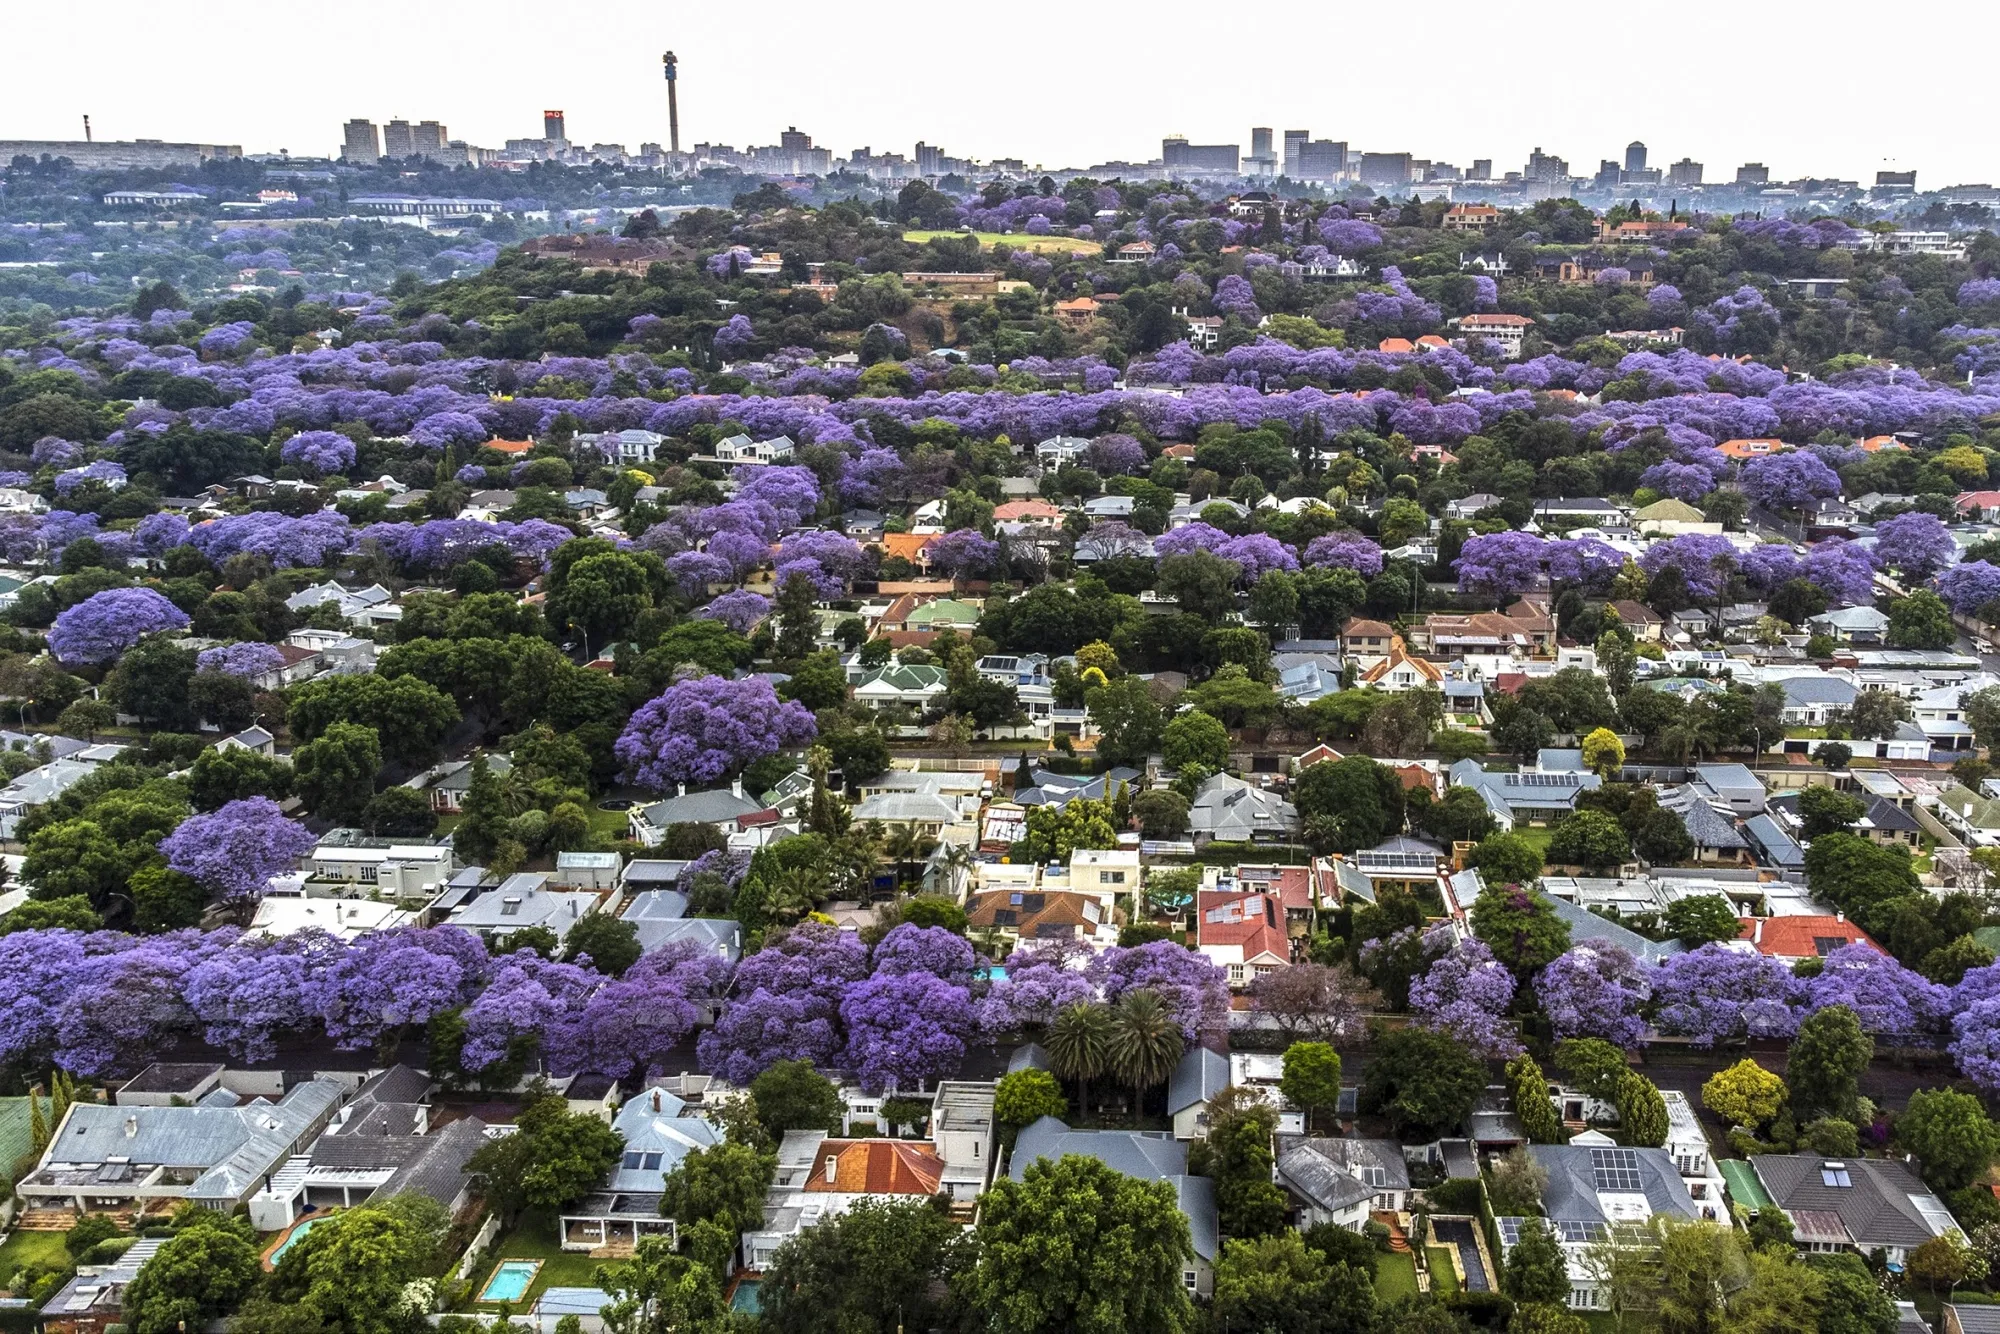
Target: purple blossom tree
[1706, 560]
[1195, 990]
[1257, 554]
[529, 1000]
[1234, 297]
[319, 451]
[1975, 1025]
[104, 625]
[1595, 991]
[389, 981]
[786, 1005]
[792, 492]
[1465, 992]
[904, 1029]
[741, 610]
[1915, 545]
[1190, 538]
[741, 552]
[1718, 995]
[702, 730]
[246, 659]
[1970, 586]
[1843, 569]
[249, 996]
[694, 571]
[1582, 562]
[1347, 550]
[735, 336]
[1496, 564]
[1789, 481]
[236, 849]
[962, 553]
[926, 949]
[1041, 981]
[442, 430]
[1888, 998]
[1115, 455]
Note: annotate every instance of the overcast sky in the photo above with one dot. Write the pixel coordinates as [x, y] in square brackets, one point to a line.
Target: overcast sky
[1835, 89]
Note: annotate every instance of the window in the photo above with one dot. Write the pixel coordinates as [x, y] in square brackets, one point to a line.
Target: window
[651, 1163]
[1188, 1279]
[1835, 1175]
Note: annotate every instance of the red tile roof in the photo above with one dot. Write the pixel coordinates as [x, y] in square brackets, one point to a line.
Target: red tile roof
[1802, 937]
[1256, 922]
[876, 1167]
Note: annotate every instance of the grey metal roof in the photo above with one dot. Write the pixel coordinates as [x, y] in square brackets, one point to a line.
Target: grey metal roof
[1146, 1156]
[1200, 1075]
[230, 1148]
[661, 872]
[1708, 827]
[1878, 1208]
[1774, 846]
[1578, 1172]
[398, 1083]
[1587, 927]
[1330, 1172]
[1029, 1056]
[1975, 1319]
[656, 1140]
[1803, 690]
[657, 905]
[718, 935]
[710, 807]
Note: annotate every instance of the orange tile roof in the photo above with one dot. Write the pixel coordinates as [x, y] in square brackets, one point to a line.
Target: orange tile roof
[1026, 509]
[876, 1167]
[906, 545]
[1750, 449]
[1260, 930]
[1432, 340]
[1395, 345]
[510, 446]
[1800, 937]
[1875, 443]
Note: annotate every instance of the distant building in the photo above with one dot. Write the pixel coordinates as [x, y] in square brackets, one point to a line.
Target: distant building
[110, 155]
[1684, 175]
[360, 142]
[1177, 154]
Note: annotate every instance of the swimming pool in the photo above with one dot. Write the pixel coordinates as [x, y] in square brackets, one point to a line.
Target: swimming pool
[298, 1231]
[511, 1281]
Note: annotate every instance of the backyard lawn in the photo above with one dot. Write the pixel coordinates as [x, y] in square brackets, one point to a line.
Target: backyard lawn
[1395, 1276]
[1444, 1278]
[534, 1238]
[31, 1248]
[1018, 240]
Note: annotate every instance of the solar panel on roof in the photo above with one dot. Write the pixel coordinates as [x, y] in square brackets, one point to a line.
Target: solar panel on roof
[1510, 1230]
[1616, 1170]
[1577, 1231]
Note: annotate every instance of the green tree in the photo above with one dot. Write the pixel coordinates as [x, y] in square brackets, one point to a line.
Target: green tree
[725, 1183]
[67, 914]
[1349, 804]
[1856, 875]
[1951, 1136]
[1128, 720]
[198, 1274]
[1077, 1246]
[1536, 1270]
[659, 1292]
[1604, 754]
[1460, 816]
[1079, 1043]
[1162, 813]
[1281, 1283]
[335, 771]
[482, 820]
[1195, 738]
[1424, 1082]
[350, 1272]
[1921, 620]
[1590, 839]
[1025, 1096]
[1520, 927]
[1825, 1064]
[1236, 1154]
[399, 812]
[602, 597]
[222, 776]
[151, 681]
[1146, 1042]
[875, 1266]
[1592, 1065]
[1746, 1094]
[797, 617]
[165, 900]
[1701, 918]
[1203, 585]
[791, 1095]
[1506, 859]
[1642, 1112]
[1822, 810]
[554, 1158]
[410, 716]
[1532, 1102]
[1311, 1079]
[1852, 1301]
[611, 942]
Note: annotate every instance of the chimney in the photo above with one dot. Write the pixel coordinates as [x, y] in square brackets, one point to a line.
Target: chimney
[736, 785]
[832, 1168]
[1840, 917]
[680, 789]
[656, 1100]
[132, 1126]
[1757, 932]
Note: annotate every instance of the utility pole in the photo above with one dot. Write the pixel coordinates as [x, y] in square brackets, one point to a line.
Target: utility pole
[86, 128]
[673, 109]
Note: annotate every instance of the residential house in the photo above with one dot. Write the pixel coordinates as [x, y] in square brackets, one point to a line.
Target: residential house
[1732, 786]
[660, 918]
[1524, 797]
[447, 783]
[1853, 1204]
[1774, 845]
[627, 446]
[1716, 838]
[1973, 816]
[1594, 1187]
[1401, 671]
[1232, 810]
[659, 1130]
[593, 871]
[820, 1176]
[1343, 1181]
[1111, 874]
[1671, 518]
[1454, 634]
[40, 786]
[1813, 701]
[1469, 507]
[742, 449]
[521, 901]
[215, 1154]
[1645, 624]
[1504, 332]
[919, 811]
[1796, 937]
[1242, 933]
[1366, 641]
[1954, 1319]
[93, 1301]
[1057, 450]
[1011, 916]
[1882, 822]
[1851, 626]
[364, 607]
[1147, 1156]
[728, 809]
[1199, 1078]
[394, 868]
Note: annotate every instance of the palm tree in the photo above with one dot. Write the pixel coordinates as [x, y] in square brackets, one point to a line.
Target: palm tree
[908, 845]
[1692, 732]
[1147, 1043]
[956, 862]
[1079, 1045]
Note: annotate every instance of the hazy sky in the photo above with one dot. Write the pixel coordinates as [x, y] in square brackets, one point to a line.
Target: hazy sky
[1824, 88]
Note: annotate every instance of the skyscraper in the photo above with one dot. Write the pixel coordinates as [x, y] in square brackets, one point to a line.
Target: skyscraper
[552, 125]
[1753, 173]
[359, 142]
[1684, 174]
[1293, 138]
[1260, 141]
[930, 159]
[1320, 160]
[1635, 156]
[397, 142]
[428, 139]
[791, 141]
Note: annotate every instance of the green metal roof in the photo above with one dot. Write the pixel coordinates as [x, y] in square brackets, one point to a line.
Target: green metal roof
[1744, 1187]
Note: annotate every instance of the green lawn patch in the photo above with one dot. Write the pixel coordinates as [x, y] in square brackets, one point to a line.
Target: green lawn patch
[1444, 1278]
[31, 1248]
[535, 1238]
[1015, 240]
[1395, 1276]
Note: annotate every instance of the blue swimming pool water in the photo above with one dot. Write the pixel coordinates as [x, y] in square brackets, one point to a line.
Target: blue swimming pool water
[293, 1239]
[511, 1281]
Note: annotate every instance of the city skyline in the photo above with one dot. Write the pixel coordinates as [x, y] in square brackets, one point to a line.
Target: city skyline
[1674, 95]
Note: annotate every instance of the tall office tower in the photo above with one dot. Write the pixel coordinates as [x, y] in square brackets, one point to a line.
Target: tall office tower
[1546, 166]
[791, 141]
[1293, 138]
[1321, 160]
[1386, 168]
[1482, 169]
[1635, 156]
[552, 125]
[930, 159]
[397, 142]
[1260, 142]
[1684, 174]
[360, 143]
[1608, 175]
[673, 67]
[1753, 173]
[429, 139]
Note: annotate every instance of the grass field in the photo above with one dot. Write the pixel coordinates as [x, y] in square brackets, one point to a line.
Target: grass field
[31, 1248]
[1395, 1276]
[1016, 240]
[1443, 1277]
